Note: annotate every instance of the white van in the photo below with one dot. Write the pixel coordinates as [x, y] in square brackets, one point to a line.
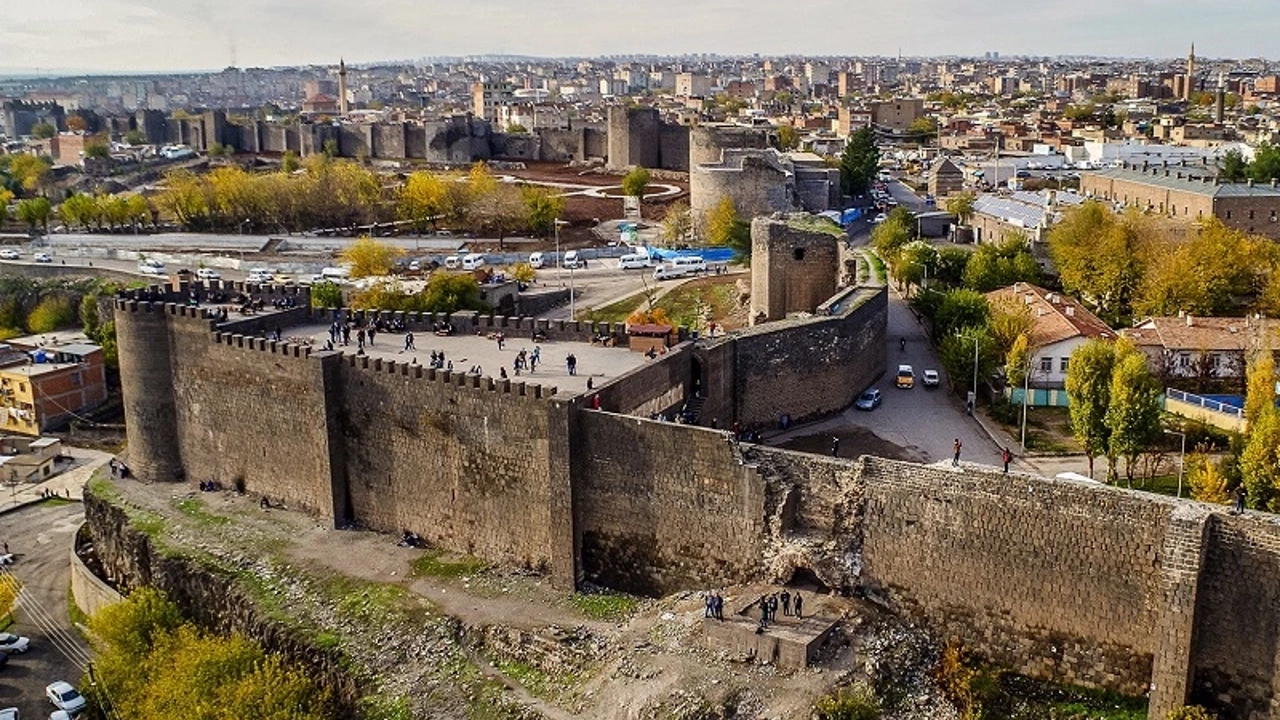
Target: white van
[573, 261]
[150, 266]
[691, 264]
[668, 272]
[537, 260]
[336, 274]
[472, 261]
[260, 276]
[633, 261]
[452, 262]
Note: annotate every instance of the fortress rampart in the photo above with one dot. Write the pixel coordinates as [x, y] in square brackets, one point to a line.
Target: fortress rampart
[1068, 581]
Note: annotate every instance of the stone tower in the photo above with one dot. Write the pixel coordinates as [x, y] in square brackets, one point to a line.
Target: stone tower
[342, 87]
[146, 375]
[793, 268]
[1191, 74]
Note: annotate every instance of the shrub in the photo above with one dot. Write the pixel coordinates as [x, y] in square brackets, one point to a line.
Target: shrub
[852, 703]
[1191, 712]
[53, 313]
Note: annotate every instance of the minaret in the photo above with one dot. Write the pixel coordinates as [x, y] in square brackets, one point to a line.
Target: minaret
[342, 87]
[1191, 74]
[1219, 100]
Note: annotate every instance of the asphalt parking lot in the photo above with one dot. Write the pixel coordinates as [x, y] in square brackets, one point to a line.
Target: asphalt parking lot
[41, 537]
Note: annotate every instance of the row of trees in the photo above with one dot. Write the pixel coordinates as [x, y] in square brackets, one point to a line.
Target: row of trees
[1114, 402]
[1264, 167]
[105, 212]
[990, 266]
[322, 192]
[723, 226]
[1128, 265]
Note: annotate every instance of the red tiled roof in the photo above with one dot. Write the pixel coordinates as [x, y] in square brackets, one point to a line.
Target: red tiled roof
[1057, 317]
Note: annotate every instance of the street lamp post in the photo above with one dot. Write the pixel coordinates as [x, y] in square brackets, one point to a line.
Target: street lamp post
[1026, 390]
[1182, 457]
[572, 316]
[973, 398]
[558, 222]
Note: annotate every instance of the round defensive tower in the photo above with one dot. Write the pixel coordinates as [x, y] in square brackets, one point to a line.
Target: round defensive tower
[146, 376]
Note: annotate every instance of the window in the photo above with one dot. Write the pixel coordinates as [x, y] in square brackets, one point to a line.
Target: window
[1184, 360]
[798, 253]
[1273, 216]
[1062, 364]
[1228, 214]
[22, 387]
[1046, 365]
[1250, 214]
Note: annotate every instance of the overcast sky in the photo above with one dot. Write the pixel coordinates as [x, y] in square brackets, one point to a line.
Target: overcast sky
[144, 35]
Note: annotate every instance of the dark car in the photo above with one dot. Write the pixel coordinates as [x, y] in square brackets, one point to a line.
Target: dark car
[869, 399]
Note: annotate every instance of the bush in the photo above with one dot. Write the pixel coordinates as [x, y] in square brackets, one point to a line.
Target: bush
[1191, 712]
[53, 313]
[851, 703]
[326, 295]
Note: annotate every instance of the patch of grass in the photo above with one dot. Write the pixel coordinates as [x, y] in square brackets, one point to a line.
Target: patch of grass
[56, 501]
[614, 312]
[530, 678]
[148, 523]
[326, 640]
[384, 707]
[816, 223]
[490, 702]
[100, 486]
[194, 508]
[877, 267]
[692, 305]
[433, 563]
[605, 605]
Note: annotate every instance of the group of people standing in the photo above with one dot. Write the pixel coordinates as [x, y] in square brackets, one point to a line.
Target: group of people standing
[792, 605]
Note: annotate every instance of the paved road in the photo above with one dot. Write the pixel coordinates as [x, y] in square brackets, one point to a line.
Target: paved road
[41, 536]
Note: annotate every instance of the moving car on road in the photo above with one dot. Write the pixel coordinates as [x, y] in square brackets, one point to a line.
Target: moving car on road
[42, 257]
[929, 378]
[9, 254]
[869, 399]
[906, 377]
[208, 274]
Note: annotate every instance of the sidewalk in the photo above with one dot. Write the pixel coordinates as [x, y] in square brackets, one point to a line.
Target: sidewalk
[68, 483]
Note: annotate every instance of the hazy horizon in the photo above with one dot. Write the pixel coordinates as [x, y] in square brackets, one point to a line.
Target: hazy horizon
[158, 36]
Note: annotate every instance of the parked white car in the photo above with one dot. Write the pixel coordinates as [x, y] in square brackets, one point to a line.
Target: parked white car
[260, 276]
[11, 643]
[208, 274]
[9, 254]
[42, 257]
[65, 697]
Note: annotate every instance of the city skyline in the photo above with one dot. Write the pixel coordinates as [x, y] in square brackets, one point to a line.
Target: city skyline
[141, 36]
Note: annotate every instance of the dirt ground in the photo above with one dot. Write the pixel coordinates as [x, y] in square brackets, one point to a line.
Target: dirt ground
[504, 635]
[854, 441]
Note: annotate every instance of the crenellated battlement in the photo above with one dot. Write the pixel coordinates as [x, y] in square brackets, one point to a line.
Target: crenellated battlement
[504, 386]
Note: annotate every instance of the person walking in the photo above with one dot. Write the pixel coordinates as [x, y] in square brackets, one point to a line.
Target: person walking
[372, 332]
[835, 446]
[1241, 492]
[408, 341]
[717, 608]
[955, 452]
[1007, 457]
[786, 603]
[360, 338]
[799, 605]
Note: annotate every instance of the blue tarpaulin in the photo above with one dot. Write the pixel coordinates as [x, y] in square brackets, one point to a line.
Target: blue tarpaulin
[710, 254]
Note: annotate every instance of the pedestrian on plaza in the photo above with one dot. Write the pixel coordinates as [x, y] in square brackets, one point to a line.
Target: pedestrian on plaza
[955, 452]
[709, 605]
[501, 340]
[773, 607]
[6, 548]
[360, 338]
[571, 364]
[346, 334]
[1241, 492]
[786, 603]
[764, 611]
[502, 373]
[799, 603]
[590, 383]
[372, 330]
[408, 341]
[1007, 457]
[835, 446]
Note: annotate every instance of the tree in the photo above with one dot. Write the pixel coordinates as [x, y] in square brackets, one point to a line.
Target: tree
[289, 162]
[367, 257]
[1234, 167]
[923, 127]
[916, 261]
[43, 130]
[635, 181]
[1088, 386]
[1101, 257]
[1260, 394]
[859, 162]
[1260, 460]
[995, 266]
[952, 262]
[1008, 320]
[542, 208]
[516, 129]
[522, 272]
[9, 595]
[29, 171]
[1190, 712]
[1207, 481]
[35, 213]
[135, 137]
[422, 200]
[1209, 274]
[97, 149]
[1017, 363]
[447, 292]
[961, 309]
[6, 197]
[788, 138]
[326, 295]
[720, 222]
[79, 209]
[1266, 163]
[889, 237]
[501, 211]
[677, 224]
[1133, 413]
[77, 123]
[54, 312]
[961, 205]
[956, 353]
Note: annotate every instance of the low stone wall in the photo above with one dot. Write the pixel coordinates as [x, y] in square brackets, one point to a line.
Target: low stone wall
[90, 593]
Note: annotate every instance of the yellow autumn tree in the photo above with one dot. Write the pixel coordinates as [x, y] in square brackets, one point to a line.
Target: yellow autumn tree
[367, 256]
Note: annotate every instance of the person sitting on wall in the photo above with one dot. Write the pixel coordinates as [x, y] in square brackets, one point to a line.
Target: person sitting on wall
[539, 336]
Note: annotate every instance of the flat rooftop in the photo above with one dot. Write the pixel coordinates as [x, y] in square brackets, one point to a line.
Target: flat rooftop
[600, 364]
